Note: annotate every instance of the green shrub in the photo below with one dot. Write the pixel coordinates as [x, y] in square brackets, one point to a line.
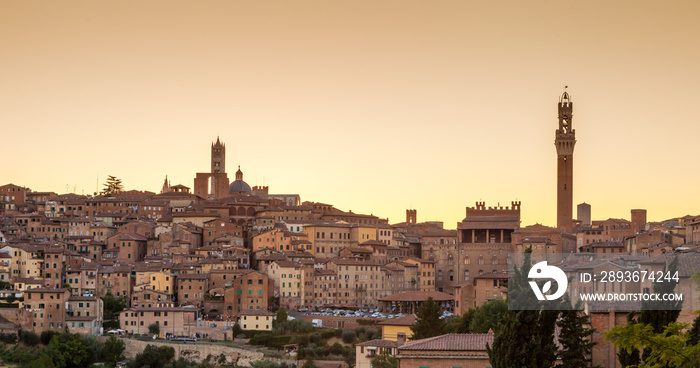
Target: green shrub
[315, 337]
[29, 338]
[46, 337]
[348, 337]
[8, 338]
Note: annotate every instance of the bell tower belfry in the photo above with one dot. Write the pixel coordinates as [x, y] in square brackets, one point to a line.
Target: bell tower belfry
[218, 157]
[565, 140]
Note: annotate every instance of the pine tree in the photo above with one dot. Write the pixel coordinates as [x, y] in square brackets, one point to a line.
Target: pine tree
[525, 338]
[575, 337]
[659, 314]
[631, 357]
[112, 185]
[429, 323]
[694, 333]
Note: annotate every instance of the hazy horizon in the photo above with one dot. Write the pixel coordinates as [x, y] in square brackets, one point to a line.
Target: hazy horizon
[373, 107]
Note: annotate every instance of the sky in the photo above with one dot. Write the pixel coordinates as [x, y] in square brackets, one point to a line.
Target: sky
[373, 106]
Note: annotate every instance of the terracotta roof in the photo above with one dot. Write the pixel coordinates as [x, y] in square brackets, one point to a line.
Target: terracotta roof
[379, 343]
[407, 320]
[451, 342]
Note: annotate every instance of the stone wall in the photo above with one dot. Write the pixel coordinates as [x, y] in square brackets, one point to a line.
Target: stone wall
[199, 351]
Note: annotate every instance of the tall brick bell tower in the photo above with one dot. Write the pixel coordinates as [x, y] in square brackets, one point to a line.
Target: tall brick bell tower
[565, 140]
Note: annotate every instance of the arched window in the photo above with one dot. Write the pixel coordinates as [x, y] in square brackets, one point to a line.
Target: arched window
[481, 260]
[450, 260]
[466, 275]
[494, 260]
[467, 260]
[452, 275]
[440, 275]
[481, 272]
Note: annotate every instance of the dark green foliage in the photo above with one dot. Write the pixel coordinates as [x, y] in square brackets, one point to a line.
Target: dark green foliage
[348, 337]
[8, 338]
[300, 340]
[384, 360]
[4, 285]
[327, 334]
[43, 361]
[460, 324]
[112, 185]
[46, 337]
[112, 306]
[658, 314]
[525, 338]
[574, 338]
[338, 332]
[113, 350]
[315, 337]
[64, 350]
[293, 326]
[629, 357]
[71, 351]
[694, 333]
[19, 354]
[429, 323]
[488, 316]
[154, 329]
[281, 315]
[110, 325]
[337, 349]
[235, 330]
[10, 298]
[29, 338]
[272, 341]
[153, 357]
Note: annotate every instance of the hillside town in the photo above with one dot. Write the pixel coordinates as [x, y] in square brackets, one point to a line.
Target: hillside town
[196, 261]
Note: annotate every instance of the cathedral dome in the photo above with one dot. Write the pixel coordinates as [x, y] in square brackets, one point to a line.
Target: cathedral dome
[239, 185]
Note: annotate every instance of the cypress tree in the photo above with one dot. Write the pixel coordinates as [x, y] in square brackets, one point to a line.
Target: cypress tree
[575, 338]
[525, 338]
[429, 323]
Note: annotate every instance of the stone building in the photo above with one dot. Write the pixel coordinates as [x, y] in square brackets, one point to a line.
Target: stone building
[484, 240]
[446, 351]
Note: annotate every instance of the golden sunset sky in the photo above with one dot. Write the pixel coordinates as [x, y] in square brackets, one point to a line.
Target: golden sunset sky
[374, 106]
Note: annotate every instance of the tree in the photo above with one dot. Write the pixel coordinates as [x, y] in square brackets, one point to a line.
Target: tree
[575, 337]
[384, 360]
[154, 329]
[281, 315]
[44, 361]
[659, 313]
[113, 350]
[71, 351]
[629, 357]
[112, 305]
[525, 338]
[694, 333]
[153, 357]
[669, 348]
[488, 316]
[429, 323]
[112, 185]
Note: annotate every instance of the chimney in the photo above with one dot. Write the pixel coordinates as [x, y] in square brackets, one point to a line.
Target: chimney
[400, 339]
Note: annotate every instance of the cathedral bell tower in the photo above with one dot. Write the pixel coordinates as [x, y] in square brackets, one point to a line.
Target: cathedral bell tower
[218, 157]
[565, 140]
